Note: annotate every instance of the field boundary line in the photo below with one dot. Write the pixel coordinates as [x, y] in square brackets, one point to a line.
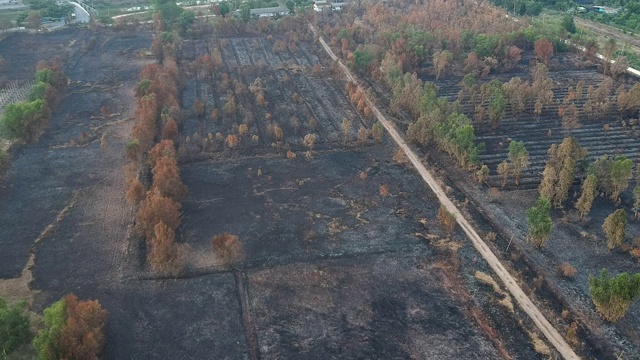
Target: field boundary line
[509, 281]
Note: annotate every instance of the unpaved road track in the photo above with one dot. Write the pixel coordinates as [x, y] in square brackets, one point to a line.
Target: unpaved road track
[510, 283]
[609, 31]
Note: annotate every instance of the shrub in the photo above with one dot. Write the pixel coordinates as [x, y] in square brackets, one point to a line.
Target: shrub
[447, 219]
[400, 158]
[15, 328]
[227, 248]
[384, 190]
[377, 131]
[567, 270]
[612, 296]
[132, 149]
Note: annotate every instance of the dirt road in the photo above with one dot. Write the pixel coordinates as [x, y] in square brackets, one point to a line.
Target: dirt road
[610, 32]
[510, 283]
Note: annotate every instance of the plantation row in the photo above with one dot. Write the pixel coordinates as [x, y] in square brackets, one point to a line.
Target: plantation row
[13, 92]
[281, 97]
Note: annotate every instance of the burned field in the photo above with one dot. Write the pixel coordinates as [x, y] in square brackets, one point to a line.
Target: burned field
[343, 251]
[343, 254]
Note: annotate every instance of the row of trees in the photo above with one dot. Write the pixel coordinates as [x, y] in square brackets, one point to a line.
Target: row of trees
[72, 329]
[437, 120]
[156, 127]
[608, 176]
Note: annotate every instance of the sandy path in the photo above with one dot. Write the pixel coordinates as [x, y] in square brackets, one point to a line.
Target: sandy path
[510, 283]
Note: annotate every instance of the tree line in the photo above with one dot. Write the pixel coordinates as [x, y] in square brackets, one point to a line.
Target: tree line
[152, 149]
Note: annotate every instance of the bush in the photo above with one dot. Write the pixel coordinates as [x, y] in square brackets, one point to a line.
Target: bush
[447, 219]
[132, 149]
[612, 296]
[15, 328]
[24, 120]
[227, 248]
[567, 270]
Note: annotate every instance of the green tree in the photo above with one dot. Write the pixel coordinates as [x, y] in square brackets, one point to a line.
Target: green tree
[245, 12]
[34, 19]
[613, 175]
[24, 120]
[539, 222]
[47, 342]
[518, 158]
[15, 328]
[290, 4]
[568, 23]
[614, 228]
[224, 8]
[185, 20]
[486, 45]
[39, 91]
[482, 174]
[558, 174]
[46, 76]
[583, 205]
[503, 171]
[497, 106]
[377, 131]
[621, 173]
[362, 58]
[612, 296]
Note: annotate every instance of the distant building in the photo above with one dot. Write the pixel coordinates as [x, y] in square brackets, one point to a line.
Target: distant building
[321, 5]
[337, 6]
[266, 12]
[606, 9]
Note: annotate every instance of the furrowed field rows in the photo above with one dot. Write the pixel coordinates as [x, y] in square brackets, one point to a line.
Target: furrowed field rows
[301, 97]
[13, 92]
